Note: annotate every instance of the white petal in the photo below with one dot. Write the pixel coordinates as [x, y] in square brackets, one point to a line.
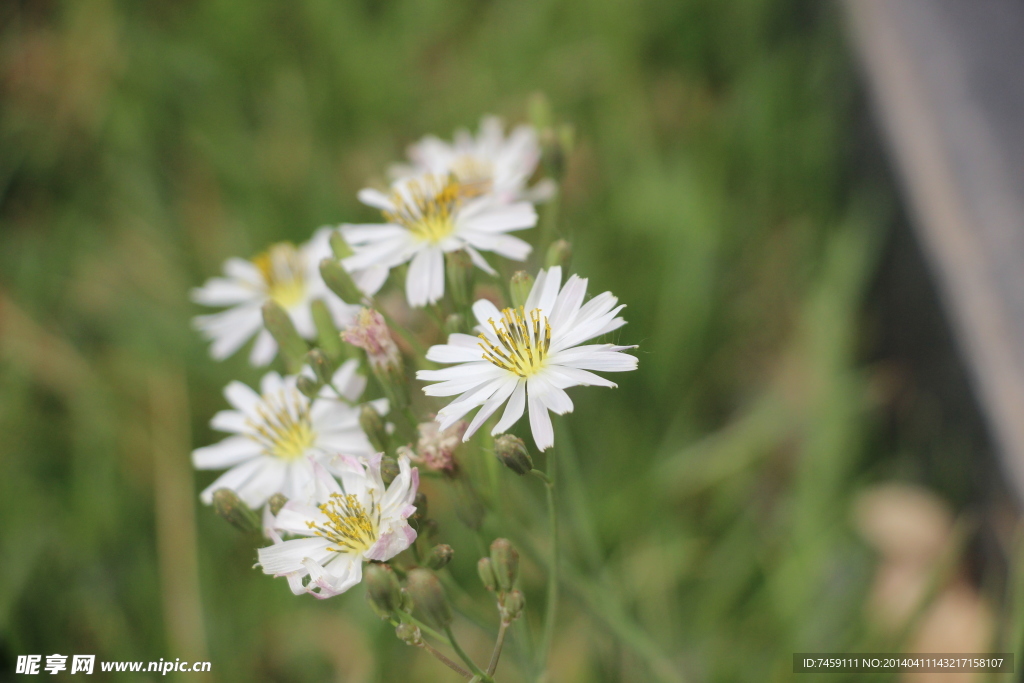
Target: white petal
[491, 405]
[235, 478]
[564, 377]
[223, 292]
[229, 452]
[568, 303]
[514, 409]
[376, 199]
[451, 353]
[287, 556]
[242, 397]
[264, 350]
[424, 283]
[503, 219]
[540, 424]
[230, 421]
[484, 310]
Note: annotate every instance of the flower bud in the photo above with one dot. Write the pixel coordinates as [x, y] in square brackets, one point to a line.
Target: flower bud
[322, 366]
[228, 505]
[485, 570]
[339, 281]
[420, 503]
[505, 562]
[277, 502]
[280, 326]
[373, 426]
[370, 333]
[381, 613]
[339, 246]
[436, 449]
[407, 602]
[558, 254]
[388, 469]
[326, 333]
[519, 287]
[428, 593]
[310, 388]
[513, 606]
[439, 556]
[409, 634]
[512, 453]
[382, 587]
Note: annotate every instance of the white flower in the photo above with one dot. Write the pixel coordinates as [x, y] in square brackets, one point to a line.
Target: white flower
[357, 521]
[528, 355]
[489, 163]
[275, 433]
[285, 274]
[427, 217]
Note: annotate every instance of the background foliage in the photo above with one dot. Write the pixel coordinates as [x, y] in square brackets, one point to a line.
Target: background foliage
[718, 186]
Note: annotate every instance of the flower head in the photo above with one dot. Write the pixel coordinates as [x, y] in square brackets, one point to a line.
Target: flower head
[485, 164]
[370, 333]
[435, 447]
[528, 356]
[348, 524]
[277, 431]
[426, 217]
[285, 274]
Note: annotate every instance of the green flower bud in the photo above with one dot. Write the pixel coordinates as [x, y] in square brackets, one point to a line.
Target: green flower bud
[505, 561]
[322, 366]
[381, 613]
[228, 505]
[373, 426]
[339, 246]
[388, 469]
[513, 606]
[486, 572]
[276, 320]
[512, 453]
[439, 556]
[519, 287]
[277, 502]
[327, 335]
[310, 388]
[429, 596]
[382, 587]
[339, 281]
[420, 503]
[409, 634]
[558, 254]
[407, 602]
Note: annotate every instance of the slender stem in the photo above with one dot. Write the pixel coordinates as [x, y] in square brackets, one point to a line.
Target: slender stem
[447, 662]
[497, 648]
[551, 608]
[466, 658]
[405, 616]
[406, 335]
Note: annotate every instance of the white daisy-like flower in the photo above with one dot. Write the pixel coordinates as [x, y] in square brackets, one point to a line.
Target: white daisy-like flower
[528, 356]
[285, 274]
[488, 163]
[276, 432]
[358, 521]
[428, 216]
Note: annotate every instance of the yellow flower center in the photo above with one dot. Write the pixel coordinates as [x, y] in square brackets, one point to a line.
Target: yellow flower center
[476, 175]
[523, 345]
[348, 524]
[284, 427]
[283, 271]
[427, 207]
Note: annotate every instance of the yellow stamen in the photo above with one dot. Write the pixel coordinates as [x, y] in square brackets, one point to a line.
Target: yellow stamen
[427, 208]
[283, 271]
[348, 524]
[284, 427]
[522, 345]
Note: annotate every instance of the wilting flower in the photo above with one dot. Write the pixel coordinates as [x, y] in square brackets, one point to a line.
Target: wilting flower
[357, 521]
[435, 447]
[488, 163]
[370, 333]
[428, 216]
[528, 355]
[285, 274]
[276, 433]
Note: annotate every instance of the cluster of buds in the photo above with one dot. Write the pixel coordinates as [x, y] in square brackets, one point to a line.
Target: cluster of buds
[498, 572]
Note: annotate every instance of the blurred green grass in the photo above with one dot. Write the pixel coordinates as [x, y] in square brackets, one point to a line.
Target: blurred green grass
[718, 187]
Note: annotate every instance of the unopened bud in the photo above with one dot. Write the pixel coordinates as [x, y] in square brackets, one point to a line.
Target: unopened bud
[339, 246]
[326, 332]
[322, 366]
[381, 613]
[513, 606]
[486, 571]
[420, 503]
[339, 281]
[558, 254]
[519, 287]
[512, 453]
[277, 502]
[228, 505]
[407, 602]
[310, 388]
[373, 426]
[505, 562]
[281, 327]
[428, 593]
[409, 634]
[382, 586]
[440, 556]
[388, 469]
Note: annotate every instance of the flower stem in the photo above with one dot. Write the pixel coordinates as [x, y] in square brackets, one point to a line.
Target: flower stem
[466, 658]
[405, 616]
[447, 662]
[498, 644]
[551, 608]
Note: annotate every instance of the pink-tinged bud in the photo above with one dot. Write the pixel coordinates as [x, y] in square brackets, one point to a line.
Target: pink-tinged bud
[370, 333]
[436, 449]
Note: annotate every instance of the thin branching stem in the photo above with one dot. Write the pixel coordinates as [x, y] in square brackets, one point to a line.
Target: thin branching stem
[551, 608]
[465, 657]
[498, 644]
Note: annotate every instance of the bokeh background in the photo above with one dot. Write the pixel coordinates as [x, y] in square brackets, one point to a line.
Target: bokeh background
[730, 504]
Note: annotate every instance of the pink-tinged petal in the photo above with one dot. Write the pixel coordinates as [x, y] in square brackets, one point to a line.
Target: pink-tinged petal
[392, 542]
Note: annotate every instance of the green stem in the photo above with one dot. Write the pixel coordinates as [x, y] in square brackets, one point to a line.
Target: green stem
[466, 658]
[551, 608]
[405, 616]
[447, 662]
[497, 648]
[405, 334]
